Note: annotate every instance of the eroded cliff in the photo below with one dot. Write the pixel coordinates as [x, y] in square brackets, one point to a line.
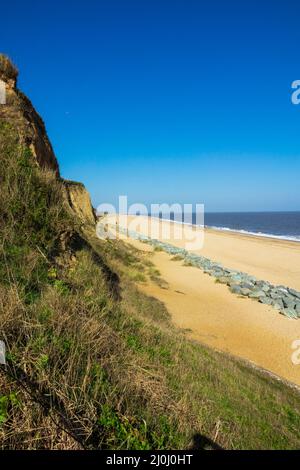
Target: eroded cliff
[19, 111]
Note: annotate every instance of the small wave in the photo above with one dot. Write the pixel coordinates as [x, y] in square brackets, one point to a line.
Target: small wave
[293, 238]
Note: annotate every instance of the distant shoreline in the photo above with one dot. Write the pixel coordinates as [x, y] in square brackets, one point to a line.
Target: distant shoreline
[287, 237]
[256, 234]
[271, 259]
[246, 233]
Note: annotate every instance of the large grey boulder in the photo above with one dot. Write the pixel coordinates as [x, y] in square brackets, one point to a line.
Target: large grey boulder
[247, 285]
[266, 300]
[294, 293]
[236, 289]
[290, 313]
[275, 295]
[223, 279]
[245, 291]
[288, 303]
[257, 294]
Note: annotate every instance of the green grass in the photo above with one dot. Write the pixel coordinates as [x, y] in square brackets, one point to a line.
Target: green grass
[177, 258]
[92, 361]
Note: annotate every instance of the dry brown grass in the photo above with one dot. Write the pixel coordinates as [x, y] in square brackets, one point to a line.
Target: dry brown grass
[92, 362]
[7, 68]
[110, 367]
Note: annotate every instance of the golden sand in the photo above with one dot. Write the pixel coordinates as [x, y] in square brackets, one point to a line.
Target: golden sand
[216, 317]
[273, 260]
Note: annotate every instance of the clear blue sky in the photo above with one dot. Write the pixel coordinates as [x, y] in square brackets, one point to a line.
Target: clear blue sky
[166, 101]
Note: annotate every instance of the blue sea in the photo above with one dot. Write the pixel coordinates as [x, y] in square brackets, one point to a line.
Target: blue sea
[282, 225]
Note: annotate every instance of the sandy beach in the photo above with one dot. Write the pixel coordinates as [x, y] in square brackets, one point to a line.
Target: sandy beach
[223, 320]
[269, 259]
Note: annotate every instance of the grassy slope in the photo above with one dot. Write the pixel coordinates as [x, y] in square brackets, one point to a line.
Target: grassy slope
[94, 363]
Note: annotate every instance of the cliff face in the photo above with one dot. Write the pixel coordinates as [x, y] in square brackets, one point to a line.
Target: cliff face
[80, 202]
[20, 112]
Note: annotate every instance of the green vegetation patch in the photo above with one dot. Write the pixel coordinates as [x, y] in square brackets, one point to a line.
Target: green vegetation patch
[93, 362]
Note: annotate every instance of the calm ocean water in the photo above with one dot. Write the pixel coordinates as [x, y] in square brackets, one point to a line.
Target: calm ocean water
[285, 225]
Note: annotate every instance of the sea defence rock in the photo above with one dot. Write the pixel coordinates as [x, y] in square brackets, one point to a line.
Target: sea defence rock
[281, 298]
